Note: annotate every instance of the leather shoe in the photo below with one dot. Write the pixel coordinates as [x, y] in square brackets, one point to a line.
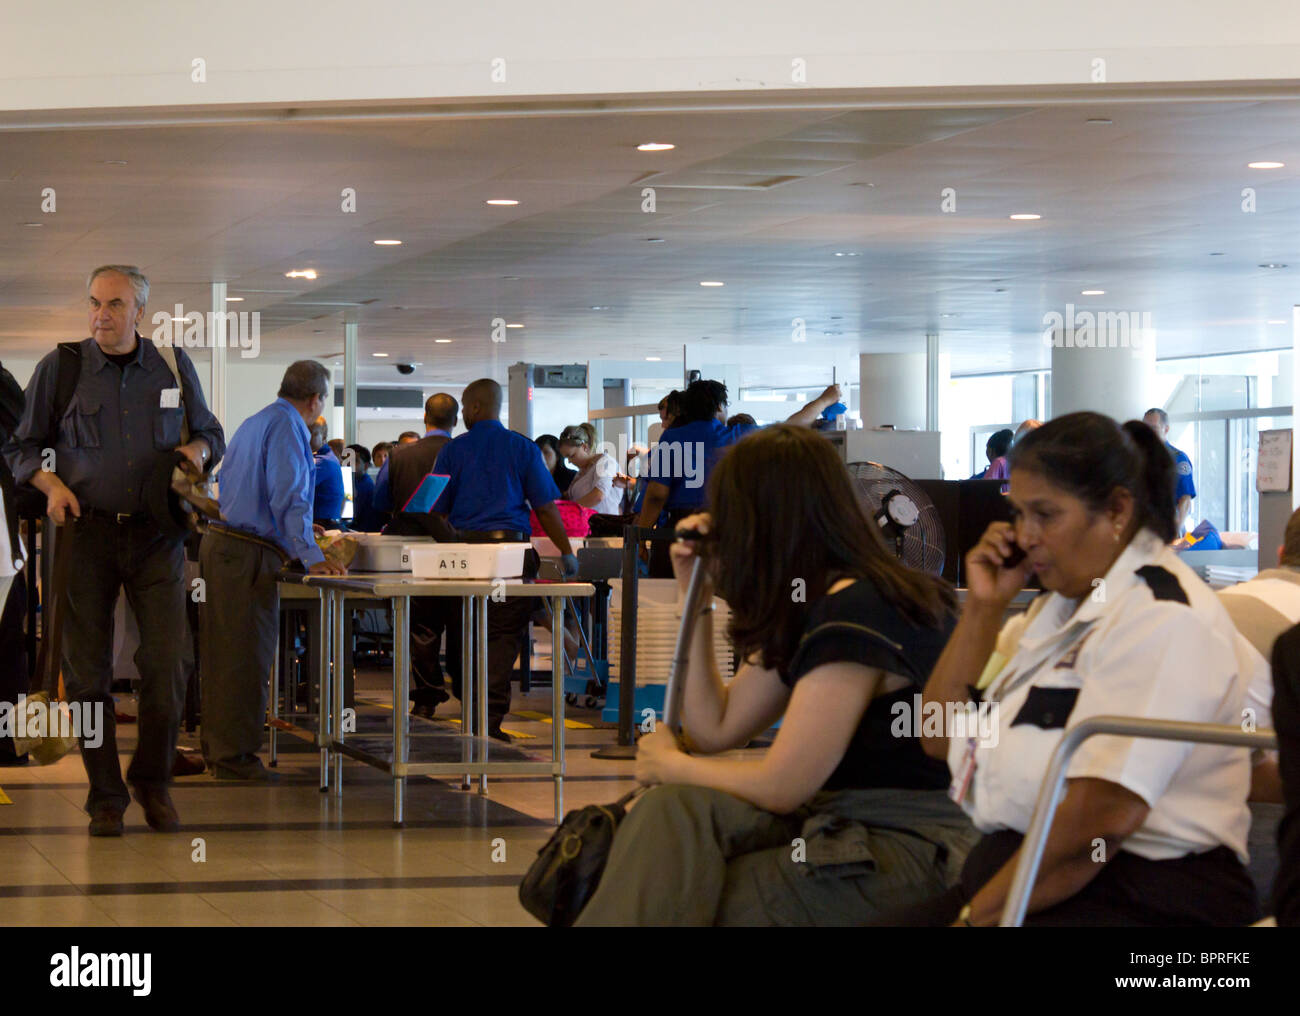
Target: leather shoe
[496, 733]
[188, 763]
[106, 820]
[426, 701]
[259, 775]
[159, 811]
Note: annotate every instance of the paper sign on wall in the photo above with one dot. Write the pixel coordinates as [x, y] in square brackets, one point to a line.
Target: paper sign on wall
[1274, 471]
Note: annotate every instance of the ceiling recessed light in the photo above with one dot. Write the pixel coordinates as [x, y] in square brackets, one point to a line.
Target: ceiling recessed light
[387, 243]
[378, 354]
[1265, 165]
[1093, 292]
[947, 315]
[114, 162]
[1026, 216]
[304, 273]
[712, 283]
[1272, 264]
[654, 239]
[33, 225]
[846, 254]
[502, 201]
[654, 359]
[654, 146]
[442, 342]
[1099, 121]
[234, 299]
[598, 308]
[514, 324]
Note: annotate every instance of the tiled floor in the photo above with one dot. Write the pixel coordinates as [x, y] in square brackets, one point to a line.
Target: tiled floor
[285, 854]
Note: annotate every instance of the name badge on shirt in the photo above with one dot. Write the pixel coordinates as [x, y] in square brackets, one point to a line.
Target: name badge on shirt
[964, 773]
[170, 398]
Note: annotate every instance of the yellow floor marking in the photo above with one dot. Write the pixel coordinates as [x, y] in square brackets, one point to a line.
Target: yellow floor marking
[568, 724]
[448, 719]
[4, 798]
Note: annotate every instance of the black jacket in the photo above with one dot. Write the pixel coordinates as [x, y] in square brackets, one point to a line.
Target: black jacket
[11, 411]
[1286, 720]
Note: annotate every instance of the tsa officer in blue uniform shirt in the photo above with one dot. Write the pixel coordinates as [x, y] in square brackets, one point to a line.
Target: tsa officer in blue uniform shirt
[266, 492]
[328, 500]
[495, 475]
[683, 460]
[1185, 490]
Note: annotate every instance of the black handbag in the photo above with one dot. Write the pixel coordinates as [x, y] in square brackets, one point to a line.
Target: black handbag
[568, 867]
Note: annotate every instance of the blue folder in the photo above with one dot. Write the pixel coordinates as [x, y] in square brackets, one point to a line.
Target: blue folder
[427, 493]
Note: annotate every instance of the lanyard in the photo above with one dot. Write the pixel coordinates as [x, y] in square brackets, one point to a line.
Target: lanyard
[1005, 686]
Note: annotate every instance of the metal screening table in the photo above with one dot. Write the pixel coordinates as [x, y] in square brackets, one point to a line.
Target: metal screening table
[470, 752]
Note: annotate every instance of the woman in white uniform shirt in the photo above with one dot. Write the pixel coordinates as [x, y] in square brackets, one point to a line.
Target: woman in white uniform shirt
[595, 485]
[1149, 832]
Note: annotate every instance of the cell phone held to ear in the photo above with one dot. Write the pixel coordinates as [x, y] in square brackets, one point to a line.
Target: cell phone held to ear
[1014, 559]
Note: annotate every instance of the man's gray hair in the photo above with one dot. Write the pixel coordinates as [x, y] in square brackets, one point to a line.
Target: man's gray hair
[1159, 414]
[139, 281]
[303, 379]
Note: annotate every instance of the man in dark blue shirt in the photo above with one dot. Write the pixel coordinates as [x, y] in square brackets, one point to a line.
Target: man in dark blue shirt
[495, 475]
[266, 492]
[122, 425]
[328, 500]
[681, 463]
[1185, 487]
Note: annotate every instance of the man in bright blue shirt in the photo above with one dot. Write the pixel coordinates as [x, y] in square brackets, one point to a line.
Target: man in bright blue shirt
[495, 475]
[327, 506]
[1185, 489]
[681, 463]
[266, 488]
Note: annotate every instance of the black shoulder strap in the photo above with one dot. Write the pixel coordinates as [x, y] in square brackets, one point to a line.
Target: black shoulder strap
[1164, 584]
[66, 376]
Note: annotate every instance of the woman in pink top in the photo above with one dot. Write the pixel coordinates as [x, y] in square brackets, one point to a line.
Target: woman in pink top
[996, 450]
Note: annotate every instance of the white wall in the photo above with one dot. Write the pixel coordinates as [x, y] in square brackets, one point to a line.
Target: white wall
[371, 432]
[20, 368]
[70, 54]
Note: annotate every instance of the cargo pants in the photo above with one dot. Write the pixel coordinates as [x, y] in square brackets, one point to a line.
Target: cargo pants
[692, 856]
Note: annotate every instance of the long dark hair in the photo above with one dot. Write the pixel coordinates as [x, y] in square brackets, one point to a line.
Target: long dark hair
[1088, 455]
[786, 517]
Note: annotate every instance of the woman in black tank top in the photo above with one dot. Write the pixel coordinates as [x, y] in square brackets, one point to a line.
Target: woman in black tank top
[844, 816]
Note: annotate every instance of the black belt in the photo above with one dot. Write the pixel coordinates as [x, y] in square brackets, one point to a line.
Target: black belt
[493, 536]
[222, 529]
[120, 518]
